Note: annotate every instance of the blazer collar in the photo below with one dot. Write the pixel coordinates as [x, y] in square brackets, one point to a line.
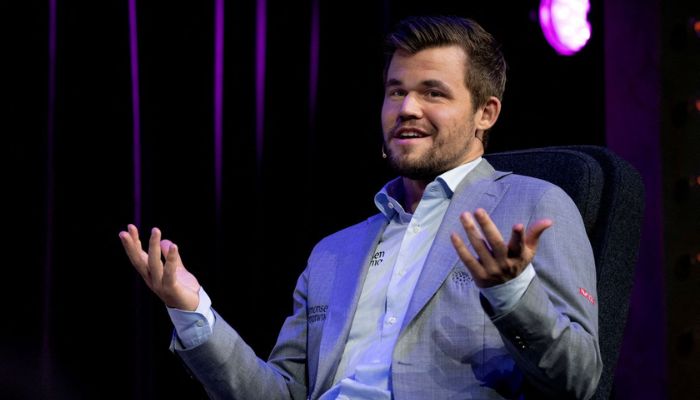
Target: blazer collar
[350, 274]
[477, 189]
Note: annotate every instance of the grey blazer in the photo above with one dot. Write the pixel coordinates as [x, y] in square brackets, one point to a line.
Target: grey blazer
[450, 345]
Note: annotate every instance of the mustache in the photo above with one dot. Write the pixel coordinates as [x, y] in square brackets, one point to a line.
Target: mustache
[403, 126]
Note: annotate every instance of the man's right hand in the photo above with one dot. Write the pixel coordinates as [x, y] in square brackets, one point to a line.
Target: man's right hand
[171, 281]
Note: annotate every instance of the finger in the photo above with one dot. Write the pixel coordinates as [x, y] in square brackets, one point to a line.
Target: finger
[165, 247]
[476, 239]
[515, 244]
[535, 231]
[133, 252]
[472, 264]
[155, 265]
[127, 243]
[134, 233]
[492, 234]
[172, 261]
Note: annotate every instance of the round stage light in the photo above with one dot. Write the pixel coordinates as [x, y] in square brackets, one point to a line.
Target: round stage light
[565, 24]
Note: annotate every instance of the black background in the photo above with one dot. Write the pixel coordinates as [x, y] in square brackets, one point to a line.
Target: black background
[74, 303]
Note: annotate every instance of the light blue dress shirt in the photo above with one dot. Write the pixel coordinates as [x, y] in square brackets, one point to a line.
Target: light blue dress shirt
[194, 327]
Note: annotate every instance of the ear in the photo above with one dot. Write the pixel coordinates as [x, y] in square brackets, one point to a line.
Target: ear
[487, 115]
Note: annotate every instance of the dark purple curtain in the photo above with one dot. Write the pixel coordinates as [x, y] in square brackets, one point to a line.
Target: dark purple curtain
[245, 130]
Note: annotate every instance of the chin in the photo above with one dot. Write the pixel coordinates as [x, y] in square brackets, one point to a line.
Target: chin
[415, 169]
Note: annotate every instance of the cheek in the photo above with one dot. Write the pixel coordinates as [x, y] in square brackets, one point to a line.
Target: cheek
[457, 121]
[387, 108]
[447, 116]
[389, 115]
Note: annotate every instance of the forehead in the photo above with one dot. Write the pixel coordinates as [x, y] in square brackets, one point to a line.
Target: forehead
[445, 63]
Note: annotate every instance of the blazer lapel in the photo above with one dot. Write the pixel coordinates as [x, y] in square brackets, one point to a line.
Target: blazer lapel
[477, 189]
[347, 286]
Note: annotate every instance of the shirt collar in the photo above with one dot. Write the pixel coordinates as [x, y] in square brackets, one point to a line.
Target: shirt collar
[388, 199]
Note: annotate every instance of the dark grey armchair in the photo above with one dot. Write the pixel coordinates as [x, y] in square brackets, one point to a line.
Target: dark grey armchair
[610, 195]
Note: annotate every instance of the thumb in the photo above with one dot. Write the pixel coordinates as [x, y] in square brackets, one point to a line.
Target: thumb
[535, 231]
[172, 261]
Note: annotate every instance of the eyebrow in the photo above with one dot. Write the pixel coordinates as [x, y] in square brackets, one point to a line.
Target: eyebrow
[393, 82]
[428, 83]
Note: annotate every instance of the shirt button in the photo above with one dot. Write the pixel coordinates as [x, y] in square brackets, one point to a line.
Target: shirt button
[200, 323]
[390, 205]
[391, 320]
[416, 228]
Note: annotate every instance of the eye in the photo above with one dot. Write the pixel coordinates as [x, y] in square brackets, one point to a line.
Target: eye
[435, 94]
[396, 92]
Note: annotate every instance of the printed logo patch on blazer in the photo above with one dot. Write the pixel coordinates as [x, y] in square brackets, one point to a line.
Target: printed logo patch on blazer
[317, 313]
[462, 278]
[587, 295]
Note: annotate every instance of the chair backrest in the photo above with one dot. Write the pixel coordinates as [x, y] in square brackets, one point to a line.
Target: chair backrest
[609, 193]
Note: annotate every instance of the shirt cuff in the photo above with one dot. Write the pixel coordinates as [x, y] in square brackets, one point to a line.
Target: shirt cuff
[505, 296]
[194, 327]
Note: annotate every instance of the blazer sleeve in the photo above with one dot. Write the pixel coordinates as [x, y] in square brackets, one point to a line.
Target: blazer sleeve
[552, 332]
[229, 369]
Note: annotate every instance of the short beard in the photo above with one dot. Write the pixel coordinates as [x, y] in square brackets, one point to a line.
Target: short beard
[422, 171]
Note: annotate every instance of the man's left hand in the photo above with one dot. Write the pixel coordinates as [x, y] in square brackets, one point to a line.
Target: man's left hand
[497, 262]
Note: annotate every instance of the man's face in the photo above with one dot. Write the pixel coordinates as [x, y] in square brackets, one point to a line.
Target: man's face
[427, 116]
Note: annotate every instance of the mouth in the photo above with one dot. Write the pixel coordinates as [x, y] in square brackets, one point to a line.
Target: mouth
[409, 133]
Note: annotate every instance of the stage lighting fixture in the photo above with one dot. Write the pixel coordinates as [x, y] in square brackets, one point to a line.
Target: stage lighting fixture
[565, 24]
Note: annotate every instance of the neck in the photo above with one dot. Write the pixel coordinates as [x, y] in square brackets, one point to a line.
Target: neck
[414, 188]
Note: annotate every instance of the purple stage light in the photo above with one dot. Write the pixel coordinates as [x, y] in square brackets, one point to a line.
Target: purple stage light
[565, 24]
[218, 101]
[313, 61]
[45, 358]
[260, 44]
[135, 109]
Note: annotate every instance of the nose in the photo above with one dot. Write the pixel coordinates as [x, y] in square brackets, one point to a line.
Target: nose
[410, 108]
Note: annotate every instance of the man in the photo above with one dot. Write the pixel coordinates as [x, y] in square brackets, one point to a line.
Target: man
[425, 299]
